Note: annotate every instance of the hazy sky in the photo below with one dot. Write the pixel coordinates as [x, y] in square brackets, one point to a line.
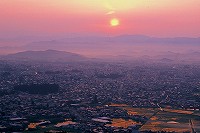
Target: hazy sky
[165, 18]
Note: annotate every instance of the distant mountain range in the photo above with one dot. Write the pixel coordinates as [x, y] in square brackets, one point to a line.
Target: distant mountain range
[123, 47]
[94, 41]
[62, 56]
[48, 55]
[147, 39]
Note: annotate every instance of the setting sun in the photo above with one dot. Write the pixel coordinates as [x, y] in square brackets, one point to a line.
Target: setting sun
[114, 22]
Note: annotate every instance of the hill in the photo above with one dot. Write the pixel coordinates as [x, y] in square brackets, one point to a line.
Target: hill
[48, 55]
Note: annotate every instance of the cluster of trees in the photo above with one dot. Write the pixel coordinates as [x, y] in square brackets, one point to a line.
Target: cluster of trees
[42, 89]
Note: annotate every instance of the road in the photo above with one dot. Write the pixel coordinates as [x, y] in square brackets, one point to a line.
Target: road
[191, 126]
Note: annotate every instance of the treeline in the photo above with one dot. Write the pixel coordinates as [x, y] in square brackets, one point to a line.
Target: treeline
[42, 89]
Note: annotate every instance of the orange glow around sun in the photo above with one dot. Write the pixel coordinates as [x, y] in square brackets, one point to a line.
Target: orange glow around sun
[114, 22]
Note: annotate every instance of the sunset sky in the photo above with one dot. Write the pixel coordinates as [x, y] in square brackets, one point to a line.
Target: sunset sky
[161, 18]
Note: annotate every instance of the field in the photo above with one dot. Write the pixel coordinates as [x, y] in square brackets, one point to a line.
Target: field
[122, 123]
[164, 119]
[148, 112]
[167, 119]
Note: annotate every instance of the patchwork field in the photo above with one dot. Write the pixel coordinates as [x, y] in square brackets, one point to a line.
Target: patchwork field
[167, 119]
